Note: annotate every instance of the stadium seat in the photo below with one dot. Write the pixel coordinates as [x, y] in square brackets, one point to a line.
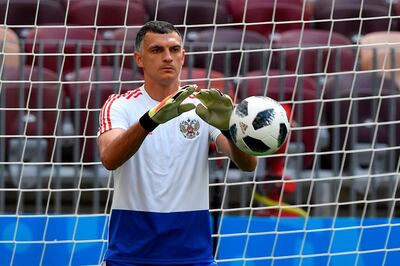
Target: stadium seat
[313, 51]
[151, 5]
[106, 15]
[22, 90]
[236, 7]
[100, 76]
[63, 49]
[206, 80]
[192, 16]
[9, 45]
[29, 126]
[289, 89]
[88, 89]
[396, 8]
[122, 40]
[273, 17]
[380, 51]
[363, 108]
[228, 50]
[353, 18]
[20, 14]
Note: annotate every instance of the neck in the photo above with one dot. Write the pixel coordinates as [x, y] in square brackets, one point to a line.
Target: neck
[159, 91]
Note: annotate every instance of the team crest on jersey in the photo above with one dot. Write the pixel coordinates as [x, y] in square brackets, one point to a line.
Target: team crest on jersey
[190, 128]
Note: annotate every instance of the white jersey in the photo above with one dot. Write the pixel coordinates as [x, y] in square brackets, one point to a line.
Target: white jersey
[160, 206]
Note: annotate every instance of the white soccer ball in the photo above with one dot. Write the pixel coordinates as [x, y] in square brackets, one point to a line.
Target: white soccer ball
[259, 125]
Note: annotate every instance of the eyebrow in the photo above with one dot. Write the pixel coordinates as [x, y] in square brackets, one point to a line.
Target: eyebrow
[152, 46]
[155, 46]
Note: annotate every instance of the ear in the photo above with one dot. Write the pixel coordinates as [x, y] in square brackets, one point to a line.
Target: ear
[138, 59]
[183, 56]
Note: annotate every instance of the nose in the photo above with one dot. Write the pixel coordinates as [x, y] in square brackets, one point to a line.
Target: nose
[167, 56]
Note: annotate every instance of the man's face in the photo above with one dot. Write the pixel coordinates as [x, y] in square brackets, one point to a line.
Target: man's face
[161, 56]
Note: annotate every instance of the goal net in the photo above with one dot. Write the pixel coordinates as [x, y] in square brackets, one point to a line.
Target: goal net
[329, 196]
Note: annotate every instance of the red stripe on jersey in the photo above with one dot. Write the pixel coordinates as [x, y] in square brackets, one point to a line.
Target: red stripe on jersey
[135, 93]
[128, 94]
[105, 120]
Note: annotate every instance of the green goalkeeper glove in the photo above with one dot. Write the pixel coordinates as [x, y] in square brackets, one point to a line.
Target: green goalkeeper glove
[170, 107]
[216, 108]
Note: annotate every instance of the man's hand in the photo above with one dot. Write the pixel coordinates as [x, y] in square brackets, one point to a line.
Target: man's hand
[215, 108]
[170, 107]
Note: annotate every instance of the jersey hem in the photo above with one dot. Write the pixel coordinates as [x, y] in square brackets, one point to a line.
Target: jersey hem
[106, 130]
[160, 261]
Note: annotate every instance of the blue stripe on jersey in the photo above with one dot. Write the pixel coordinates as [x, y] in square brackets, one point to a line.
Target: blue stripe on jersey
[140, 237]
[197, 264]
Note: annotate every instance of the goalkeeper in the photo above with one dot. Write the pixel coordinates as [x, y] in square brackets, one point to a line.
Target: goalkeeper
[155, 139]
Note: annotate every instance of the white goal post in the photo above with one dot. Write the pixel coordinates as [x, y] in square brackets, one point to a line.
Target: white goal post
[330, 196]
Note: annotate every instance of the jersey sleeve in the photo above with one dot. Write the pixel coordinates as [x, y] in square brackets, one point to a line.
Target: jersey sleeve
[214, 133]
[113, 115]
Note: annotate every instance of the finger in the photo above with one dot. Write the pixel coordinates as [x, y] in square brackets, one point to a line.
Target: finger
[214, 91]
[186, 107]
[216, 95]
[200, 91]
[184, 93]
[203, 96]
[202, 111]
[190, 86]
[221, 97]
[227, 99]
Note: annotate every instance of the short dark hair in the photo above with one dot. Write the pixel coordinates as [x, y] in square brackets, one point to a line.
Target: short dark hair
[156, 26]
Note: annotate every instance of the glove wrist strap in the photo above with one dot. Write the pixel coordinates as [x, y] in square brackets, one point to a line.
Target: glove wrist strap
[147, 123]
[226, 133]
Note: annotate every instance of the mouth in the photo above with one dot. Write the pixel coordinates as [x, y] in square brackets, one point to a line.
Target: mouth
[168, 68]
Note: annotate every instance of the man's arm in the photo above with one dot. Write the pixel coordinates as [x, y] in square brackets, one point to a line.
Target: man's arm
[216, 109]
[242, 160]
[117, 145]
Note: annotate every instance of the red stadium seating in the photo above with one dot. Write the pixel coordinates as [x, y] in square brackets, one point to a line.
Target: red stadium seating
[192, 16]
[19, 14]
[106, 14]
[358, 17]
[313, 51]
[234, 51]
[272, 17]
[363, 108]
[236, 7]
[122, 40]
[151, 5]
[114, 79]
[36, 89]
[363, 89]
[64, 49]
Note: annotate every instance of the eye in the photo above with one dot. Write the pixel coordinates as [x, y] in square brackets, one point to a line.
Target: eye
[156, 50]
[176, 49]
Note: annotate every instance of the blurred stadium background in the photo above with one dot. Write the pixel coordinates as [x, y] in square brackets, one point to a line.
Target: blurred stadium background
[329, 197]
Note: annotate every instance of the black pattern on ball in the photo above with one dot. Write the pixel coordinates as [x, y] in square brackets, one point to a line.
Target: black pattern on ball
[242, 109]
[256, 144]
[263, 118]
[283, 131]
[233, 132]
